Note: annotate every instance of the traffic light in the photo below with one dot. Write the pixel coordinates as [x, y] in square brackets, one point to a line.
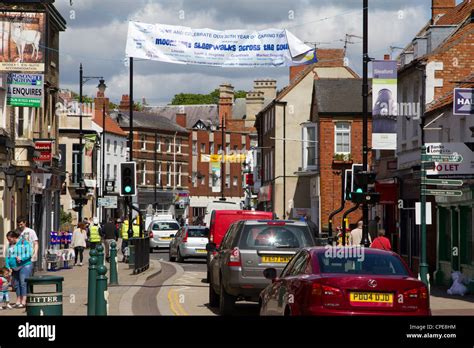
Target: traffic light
[128, 182]
[361, 179]
[357, 184]
[347, 184]
[366, 197]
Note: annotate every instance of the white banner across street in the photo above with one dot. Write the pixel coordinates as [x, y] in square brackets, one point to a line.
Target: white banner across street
[228, 48]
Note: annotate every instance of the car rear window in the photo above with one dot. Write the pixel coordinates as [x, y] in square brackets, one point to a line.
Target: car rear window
[165, 226]
[198, 232]
[376, 264]
[270, 237]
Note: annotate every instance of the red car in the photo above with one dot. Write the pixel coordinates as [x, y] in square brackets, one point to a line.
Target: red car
[344, 281]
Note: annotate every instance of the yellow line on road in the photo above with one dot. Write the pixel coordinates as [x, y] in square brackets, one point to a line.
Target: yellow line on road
[175, 306]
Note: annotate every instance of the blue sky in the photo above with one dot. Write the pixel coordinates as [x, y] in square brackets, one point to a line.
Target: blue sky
[97, 29]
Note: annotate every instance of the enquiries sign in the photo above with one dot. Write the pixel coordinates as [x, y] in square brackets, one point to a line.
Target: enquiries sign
[25, 90]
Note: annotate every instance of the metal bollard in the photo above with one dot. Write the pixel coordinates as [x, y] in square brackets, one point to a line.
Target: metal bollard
[101, 291]
[131, 256]
[113, 264]
[92, 280]
[100, 255]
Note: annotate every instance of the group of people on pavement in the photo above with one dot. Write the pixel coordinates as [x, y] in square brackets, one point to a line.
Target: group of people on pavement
[377, 234]
[20, 261]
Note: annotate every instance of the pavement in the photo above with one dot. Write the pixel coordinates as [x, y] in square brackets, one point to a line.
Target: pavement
[75, 288]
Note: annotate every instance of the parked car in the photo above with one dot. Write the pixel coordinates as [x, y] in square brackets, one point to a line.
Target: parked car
[161, 232]
[189, 242]
[249, 247]
[222, 219]
[320, 281]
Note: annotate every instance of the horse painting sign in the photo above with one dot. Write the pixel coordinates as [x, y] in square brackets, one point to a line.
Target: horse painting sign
[22, 36]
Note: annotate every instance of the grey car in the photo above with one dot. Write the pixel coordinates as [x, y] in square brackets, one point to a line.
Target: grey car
[248, 248]
[189, 242]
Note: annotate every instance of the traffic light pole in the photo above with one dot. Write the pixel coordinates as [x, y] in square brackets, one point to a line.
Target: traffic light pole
[423, 263]
[130, 151]
[365, 114]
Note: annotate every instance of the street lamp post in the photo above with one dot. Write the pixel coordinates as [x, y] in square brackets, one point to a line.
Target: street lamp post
[82, 80]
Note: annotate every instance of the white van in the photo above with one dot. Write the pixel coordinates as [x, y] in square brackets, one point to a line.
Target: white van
[218, 205]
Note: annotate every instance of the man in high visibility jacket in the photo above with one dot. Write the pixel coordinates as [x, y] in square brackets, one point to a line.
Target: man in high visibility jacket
[95, 234]
[136, 230]
[124, 235]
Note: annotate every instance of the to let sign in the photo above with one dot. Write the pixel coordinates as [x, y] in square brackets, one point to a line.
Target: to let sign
[44, 149]
[463, 101]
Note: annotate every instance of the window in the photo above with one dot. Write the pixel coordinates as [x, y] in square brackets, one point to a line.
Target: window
[219, 149]
[203, 180]
[211, 147]
[309, 146]
[168, 145]
[343, 137]
[115, 172]
[178, 145]
[194, 179]
[108, 145]
[179, 175]
[227, 148]
[158, 174]
[195, 147]
[76, 163]
[21, 122]
[143, 173]
[236, 148]
[158, 144]
[108, 171]
[227, 181]
[115, 147]
[236, 181]
[168, 174]
[143, 141]
[203, 148]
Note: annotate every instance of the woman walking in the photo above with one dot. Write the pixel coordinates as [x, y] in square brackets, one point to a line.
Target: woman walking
[18, 259]
[79, 238]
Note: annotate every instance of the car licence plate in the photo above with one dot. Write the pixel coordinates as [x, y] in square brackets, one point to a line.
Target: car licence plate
[371, 299]
[165, 238]
[201, 251]
[276, 259]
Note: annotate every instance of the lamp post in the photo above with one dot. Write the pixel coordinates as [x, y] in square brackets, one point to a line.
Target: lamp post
[102, 87]
[82, 80]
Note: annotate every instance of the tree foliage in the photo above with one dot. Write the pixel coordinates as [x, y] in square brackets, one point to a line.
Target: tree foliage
[194, 98]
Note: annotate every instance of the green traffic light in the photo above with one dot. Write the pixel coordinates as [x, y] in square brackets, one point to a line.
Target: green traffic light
[359, 190]
[128, 189]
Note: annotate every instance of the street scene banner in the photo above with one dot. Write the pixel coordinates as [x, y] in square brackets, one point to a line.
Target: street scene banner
[44, 149]
[228, 48]
[22, 44]
[25, 90]
[216, 176]
[460, 166]
[90, 143]
[463, 101]
[384, 105]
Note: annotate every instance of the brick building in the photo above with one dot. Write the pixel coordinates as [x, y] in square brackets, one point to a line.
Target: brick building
[160, 148]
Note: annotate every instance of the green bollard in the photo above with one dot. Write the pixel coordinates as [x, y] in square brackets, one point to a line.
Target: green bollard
[100, 255]
[101, 291]
[92, 280]
[113, 264]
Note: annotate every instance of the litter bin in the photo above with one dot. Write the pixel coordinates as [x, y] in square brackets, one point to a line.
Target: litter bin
[44, 303]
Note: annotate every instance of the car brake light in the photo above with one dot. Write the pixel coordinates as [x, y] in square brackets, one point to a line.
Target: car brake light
[421, 293]
[234, 259]
[185, 238]
[326, 295]
[211, 238]
[151, 234]
[276, 223]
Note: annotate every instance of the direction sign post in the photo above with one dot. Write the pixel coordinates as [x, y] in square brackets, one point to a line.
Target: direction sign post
[446, 193]
[443, 158]
[444, 182]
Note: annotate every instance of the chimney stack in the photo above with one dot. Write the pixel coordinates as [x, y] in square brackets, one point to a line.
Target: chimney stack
[254, 102]
[267, 87]
[440, 7]
[125, 103]
[226, 102]
[181, 119]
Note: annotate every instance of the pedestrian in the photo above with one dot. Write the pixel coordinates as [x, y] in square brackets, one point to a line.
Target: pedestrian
[4, 285]
[374, 227]
[356, 234]
[79, 238]
[95, 233]
[124, 235]
[381, 242]
[32, 238]
[18, 260]
[110, 235]
[312, 226]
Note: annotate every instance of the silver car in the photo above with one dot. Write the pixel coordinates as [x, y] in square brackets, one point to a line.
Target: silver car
[189, 242]
[162, 232]
[248, 248]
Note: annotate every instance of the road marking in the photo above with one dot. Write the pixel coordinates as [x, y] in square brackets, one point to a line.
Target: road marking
[175, 306]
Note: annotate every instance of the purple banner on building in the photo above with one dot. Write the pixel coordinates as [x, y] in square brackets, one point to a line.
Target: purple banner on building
[463, 101]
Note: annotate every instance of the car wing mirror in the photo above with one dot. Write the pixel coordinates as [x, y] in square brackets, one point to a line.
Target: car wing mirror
[270, 273]
[211, 247]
